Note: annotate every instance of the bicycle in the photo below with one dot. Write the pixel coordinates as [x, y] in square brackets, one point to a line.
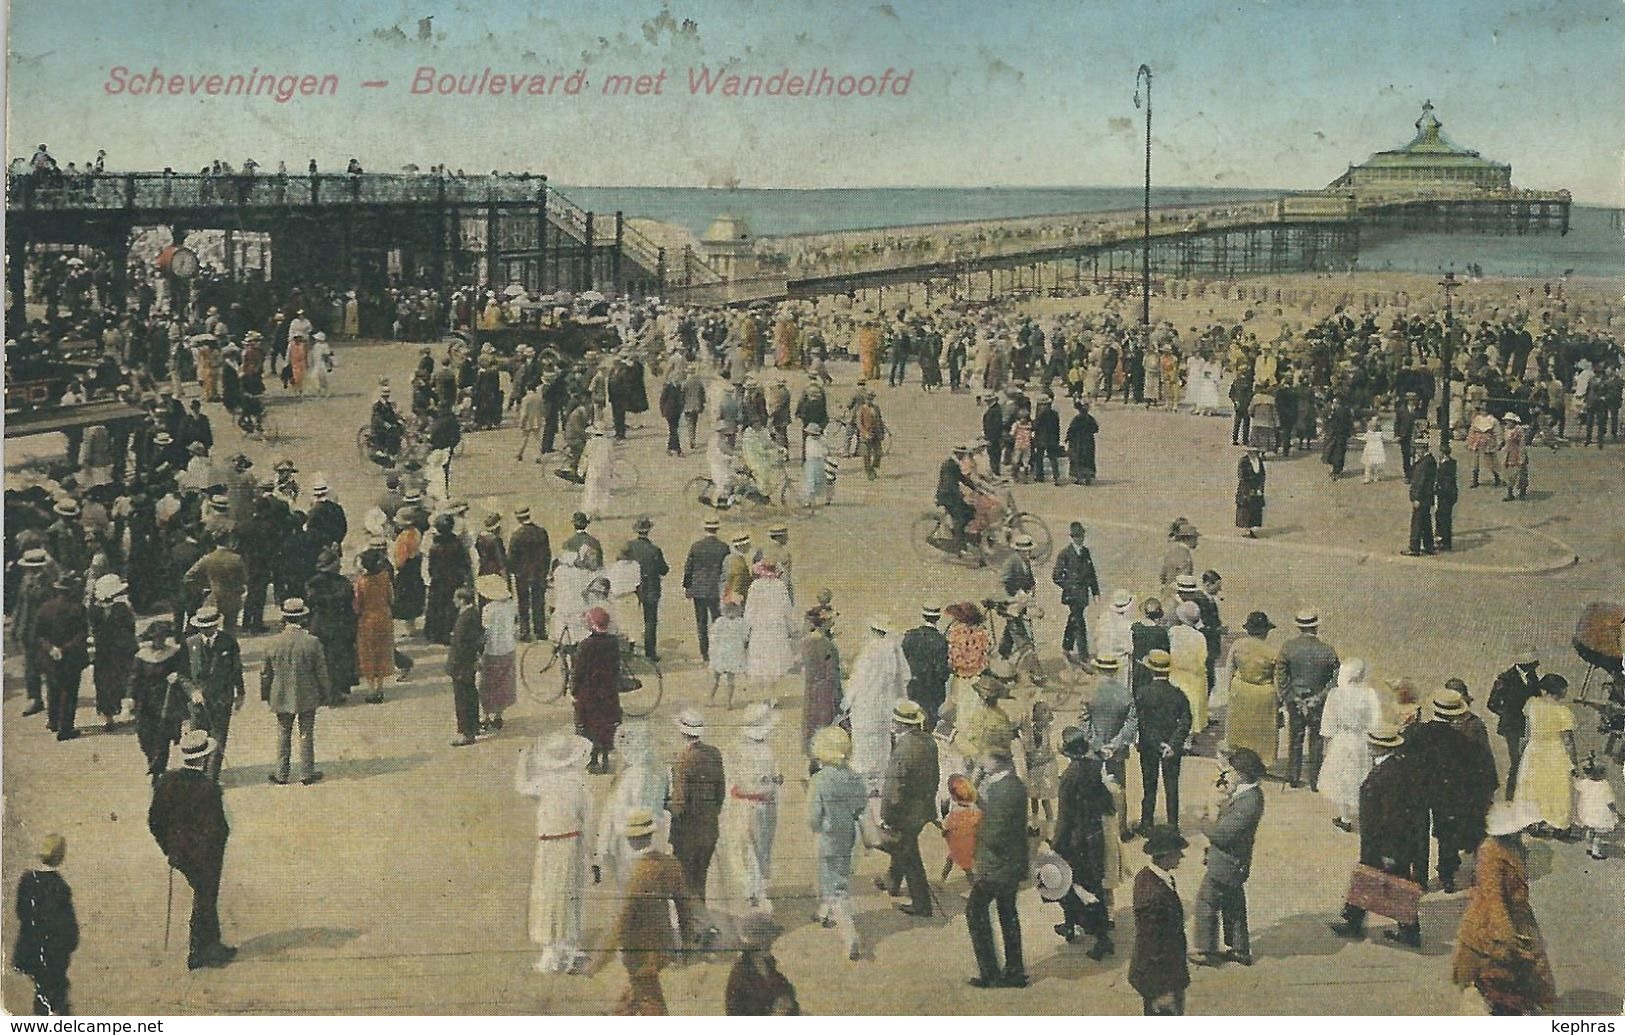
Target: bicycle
[703, 490]
[643, 683]
[932, 537]
[1016, 643]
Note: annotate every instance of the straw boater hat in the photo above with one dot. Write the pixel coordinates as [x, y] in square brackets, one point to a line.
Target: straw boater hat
[109, 588]
[294, 607]
[1107, 662]
[779, 531]
[521, 514]
[758, 721]
[562, 751]
[493, 521]
[1527, 656]
[931, 614]
[1022, 542]
[492, 587]
[196, 746]
[1053, 878]
[1512, 418]
[1187, 584]
[1122, 601]
[691, 723]
[1158, 662]
[206, 618]
[640, 823]
[1449, 703]
[67, 507]
[831, 746]
[35, 558]
[908, 713]
[1306, 619]
[742, 539]
[1385, 738]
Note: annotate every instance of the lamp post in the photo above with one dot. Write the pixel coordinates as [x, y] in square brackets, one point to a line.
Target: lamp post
[1145, 237]
[1447, 353]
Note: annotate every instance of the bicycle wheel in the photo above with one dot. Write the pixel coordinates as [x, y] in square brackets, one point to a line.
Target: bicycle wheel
[1043, 541]
[921, 533]
[626, 475]
[535, 661]
[361, 444]
[699, 488]
[650, 689]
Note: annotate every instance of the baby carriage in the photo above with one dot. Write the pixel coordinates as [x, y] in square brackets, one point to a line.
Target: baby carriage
[1597, 641]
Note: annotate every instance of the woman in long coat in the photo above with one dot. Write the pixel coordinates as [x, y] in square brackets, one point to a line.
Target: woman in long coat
[449, 570]
[331, 600]
[821, 671]
[836, 798]
[1250, 717]
[375, 624]
[1351, 712]
[1499, 949]
[1545, 773]
[596, 687]
[408, 558]
[1250, 492]
[869, 351]
[112, 623]
[1080, 445]
[1081, 837]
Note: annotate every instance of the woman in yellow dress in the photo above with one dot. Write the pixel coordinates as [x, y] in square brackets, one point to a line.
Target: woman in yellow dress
[1250, 719]
[1546, 772]
[869, 350]
[1188, 649]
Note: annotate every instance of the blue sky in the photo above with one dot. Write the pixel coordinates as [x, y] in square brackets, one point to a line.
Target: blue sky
[1247, 94]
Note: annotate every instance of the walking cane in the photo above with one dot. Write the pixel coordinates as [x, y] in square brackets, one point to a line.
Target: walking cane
[169, 907]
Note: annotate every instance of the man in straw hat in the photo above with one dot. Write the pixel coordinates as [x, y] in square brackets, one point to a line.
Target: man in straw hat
[1111, 721]
[1158, 969]
[188, 820]
[644, 933]
[1230, 834]
[836, 797]
[550, 772]
[33, 590]
[216, 663]
[1164, 715]
[702, 581]
[1393, 841]
[61, 646]
[652, 567]
[908, 803]
[698, 786]
[925, 648]
[1461, 783]
[530, 555]
[47, 928]
[1305, 671]
[1515, 456]
[294, 682]
[1001, 865]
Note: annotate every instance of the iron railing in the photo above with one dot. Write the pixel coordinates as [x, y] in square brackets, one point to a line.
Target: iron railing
[147, 190]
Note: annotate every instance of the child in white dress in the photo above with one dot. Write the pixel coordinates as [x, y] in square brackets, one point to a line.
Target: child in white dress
[1596, 812]
[729, 637]
[1374, 457]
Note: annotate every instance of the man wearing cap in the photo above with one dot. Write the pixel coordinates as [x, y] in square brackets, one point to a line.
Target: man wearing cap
[925, 649]
[294, 682]
[702, 581]
[217, 681]
[61, 646]
[1159, 970]
[1000, 866]
[1393, 829]
[1230, 835]
[698, 785]
[1074, 572]
[907, 803]
[1164, 716]
[1460, 785]
[222, 573]
[188, 820]
[644, 934]
[326, 521]
[1016, 573]
[34, 589]
[652, 567]
[1111, 722]
[1509, 696]
[1305, 670]
[530, 555]
[47, 928]
[1423, 474]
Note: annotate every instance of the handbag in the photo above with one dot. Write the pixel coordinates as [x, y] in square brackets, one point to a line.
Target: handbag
[877, 837]
[1382, 893]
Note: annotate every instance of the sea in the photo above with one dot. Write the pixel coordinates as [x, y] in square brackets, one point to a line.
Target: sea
[1593, 247]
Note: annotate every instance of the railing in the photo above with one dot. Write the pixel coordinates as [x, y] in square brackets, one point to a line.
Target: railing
[146, 190]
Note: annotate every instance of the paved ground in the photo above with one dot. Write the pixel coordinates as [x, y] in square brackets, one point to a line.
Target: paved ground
[399, 884]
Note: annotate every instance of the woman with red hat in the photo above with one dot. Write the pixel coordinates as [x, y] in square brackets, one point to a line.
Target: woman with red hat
[596, 686]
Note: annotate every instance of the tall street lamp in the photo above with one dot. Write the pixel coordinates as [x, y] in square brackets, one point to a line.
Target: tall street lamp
[1145, 238]
[1447, 353]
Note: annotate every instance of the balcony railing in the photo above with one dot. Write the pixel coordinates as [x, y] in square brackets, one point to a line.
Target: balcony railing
[146, 190]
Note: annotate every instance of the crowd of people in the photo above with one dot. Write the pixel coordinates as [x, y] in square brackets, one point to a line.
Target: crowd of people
[167, 553]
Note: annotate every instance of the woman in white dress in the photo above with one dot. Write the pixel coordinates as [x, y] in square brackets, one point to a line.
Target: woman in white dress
[552, 772]
[643, 783]
[1187, 648]
[879, 678]
[814, 469]
[571, 576]
[1352, 710]
[773, 647]
[1374, 455]
[743, 865]
[1209, 401]
[598, 467]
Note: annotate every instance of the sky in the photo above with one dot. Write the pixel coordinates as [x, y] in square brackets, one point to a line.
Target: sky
[1258, 93]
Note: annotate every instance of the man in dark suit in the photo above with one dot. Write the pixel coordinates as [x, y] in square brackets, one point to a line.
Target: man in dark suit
[1424, 475]
[1074, 572]
[1001, 864]
[1393, 828]
[1165, 721]
[697, 788]
[702, 581]
[1158, 969]
[993, 431]
[1445, 492]
[61, 645]
[530, 555]
[326, 522]
[47, 929]
[1146, 635]
[908, 803]
[1230, 836]
[462, 662]
[188, 819]
[1405, 430]
[1305, 670]
[217, 675]
[1459, 784]
[1047, 439]
[652, 567]
[1508, 696]
[925, 649]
